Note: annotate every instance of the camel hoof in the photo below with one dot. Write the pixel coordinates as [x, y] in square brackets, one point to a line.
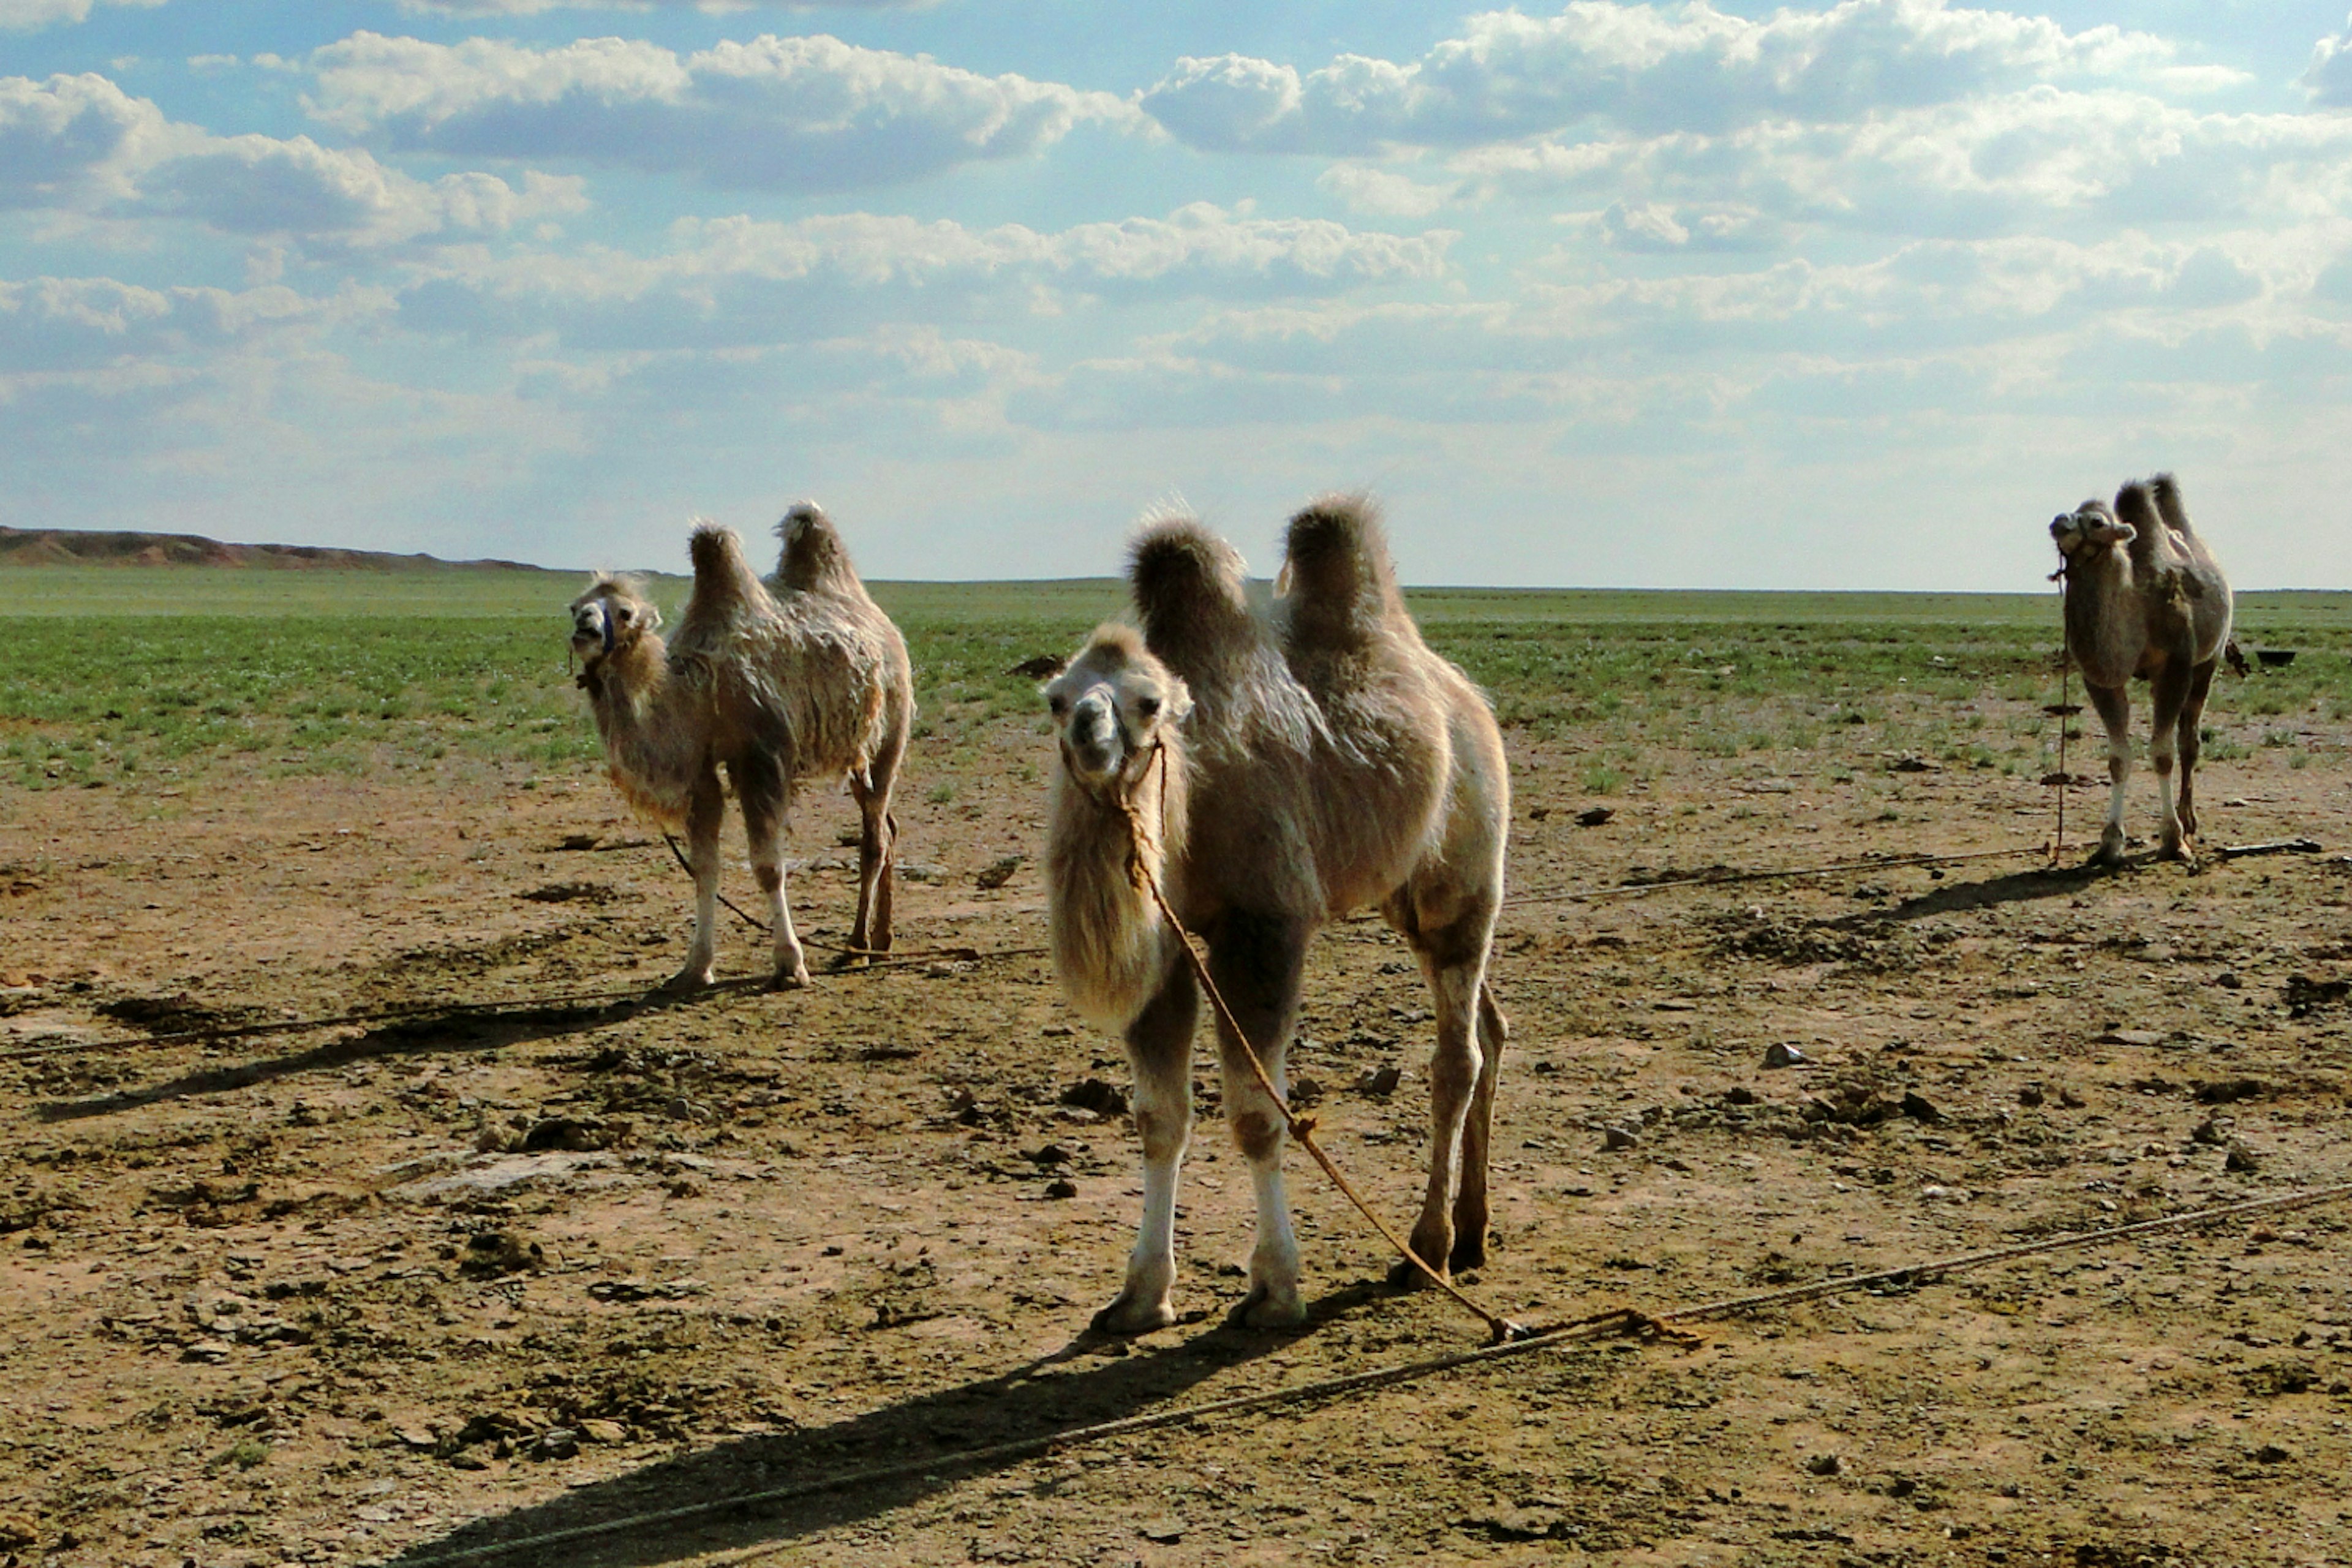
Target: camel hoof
[2107, 855]
[1262, 1309]
[1404, 1276]
[685, 980]
[1127, 1318]
[795, 979]
[1466, 1255]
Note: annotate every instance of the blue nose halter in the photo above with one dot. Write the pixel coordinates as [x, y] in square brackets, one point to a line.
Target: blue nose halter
[605, 616]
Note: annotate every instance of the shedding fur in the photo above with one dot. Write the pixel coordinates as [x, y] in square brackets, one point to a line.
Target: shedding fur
[776, 683]
[1329, 760]
[2146, 599]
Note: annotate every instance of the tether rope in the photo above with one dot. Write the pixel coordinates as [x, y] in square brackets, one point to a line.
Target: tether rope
[1623, 1321]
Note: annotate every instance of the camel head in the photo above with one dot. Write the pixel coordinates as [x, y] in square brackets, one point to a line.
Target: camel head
[611, 617]
[2089, 529]
[1113, 706]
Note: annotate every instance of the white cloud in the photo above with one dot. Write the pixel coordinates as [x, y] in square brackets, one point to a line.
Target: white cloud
[52, 325]
[68, 139]
[801, 113]
[1651, 70]
[260, 186]
[18, 16]
[1384, 193]
[736, 282]
[1990, 165]
[711, 7]
[2329, 79]
[80, 143]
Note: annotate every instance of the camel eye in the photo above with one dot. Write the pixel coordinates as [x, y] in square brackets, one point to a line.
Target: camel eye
[1058, 704]
[1148, 706]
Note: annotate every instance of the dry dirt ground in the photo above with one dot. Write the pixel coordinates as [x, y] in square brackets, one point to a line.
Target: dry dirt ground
[394, 1292]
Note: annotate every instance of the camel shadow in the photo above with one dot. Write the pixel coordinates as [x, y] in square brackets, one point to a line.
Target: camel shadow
[864, 1467]
[423, 1033]
[2015, 887]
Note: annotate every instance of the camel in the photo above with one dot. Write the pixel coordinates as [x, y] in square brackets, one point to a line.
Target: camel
[2145, 598]
[1285, 769]
[802, 677]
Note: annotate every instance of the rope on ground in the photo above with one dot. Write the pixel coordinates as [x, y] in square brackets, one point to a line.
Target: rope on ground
[1617, 1323]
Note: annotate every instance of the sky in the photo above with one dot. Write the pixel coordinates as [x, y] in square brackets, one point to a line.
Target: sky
[1711, 295]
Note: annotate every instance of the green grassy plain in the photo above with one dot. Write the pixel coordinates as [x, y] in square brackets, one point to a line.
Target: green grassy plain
[120, 674]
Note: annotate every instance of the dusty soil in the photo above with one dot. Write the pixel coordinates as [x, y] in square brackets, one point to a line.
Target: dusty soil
[389, 1292]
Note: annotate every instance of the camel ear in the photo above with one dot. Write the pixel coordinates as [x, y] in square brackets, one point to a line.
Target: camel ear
[1177, 706]
[2111, 533]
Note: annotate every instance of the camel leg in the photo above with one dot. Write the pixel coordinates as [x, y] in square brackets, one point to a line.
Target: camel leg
[2114, 703]
[1457, 1069]
[2168, 698]
[1470, 1210]
[1159, 1049]
[1257, 962]
[2192, 720]
[705, 811]
[877, 849]
[766, 794]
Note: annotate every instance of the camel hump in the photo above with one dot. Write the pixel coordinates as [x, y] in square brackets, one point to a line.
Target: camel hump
[722, 577]
[2166, 490]
[1336, 575]
[1187, 585]
[2136, 505]
[815, 559]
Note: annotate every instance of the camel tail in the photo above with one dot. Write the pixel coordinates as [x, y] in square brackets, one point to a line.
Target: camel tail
[1187, 585]
[1337, 573]
[815, 560]
[2166, 490]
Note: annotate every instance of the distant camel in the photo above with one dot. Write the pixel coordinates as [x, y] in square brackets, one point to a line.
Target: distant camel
[1286, 771]
[808, 680]
[2159, 609]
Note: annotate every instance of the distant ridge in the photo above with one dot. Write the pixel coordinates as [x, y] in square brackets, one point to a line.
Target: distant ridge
[72, 547]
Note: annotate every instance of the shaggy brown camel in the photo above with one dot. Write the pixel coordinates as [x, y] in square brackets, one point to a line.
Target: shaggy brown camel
[1288, 770]
[808, 680]
[2145, 598]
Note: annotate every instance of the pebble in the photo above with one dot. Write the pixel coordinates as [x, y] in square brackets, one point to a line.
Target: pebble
[1777, 1055]
[1824, 1465]
[2241, 1160]
[1102, 1097]
[555, 1443]
[1620, 1138]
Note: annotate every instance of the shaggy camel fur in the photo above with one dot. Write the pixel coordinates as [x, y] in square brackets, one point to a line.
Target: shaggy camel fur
[1288, 770]
[809, 679]
[2145, 598]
